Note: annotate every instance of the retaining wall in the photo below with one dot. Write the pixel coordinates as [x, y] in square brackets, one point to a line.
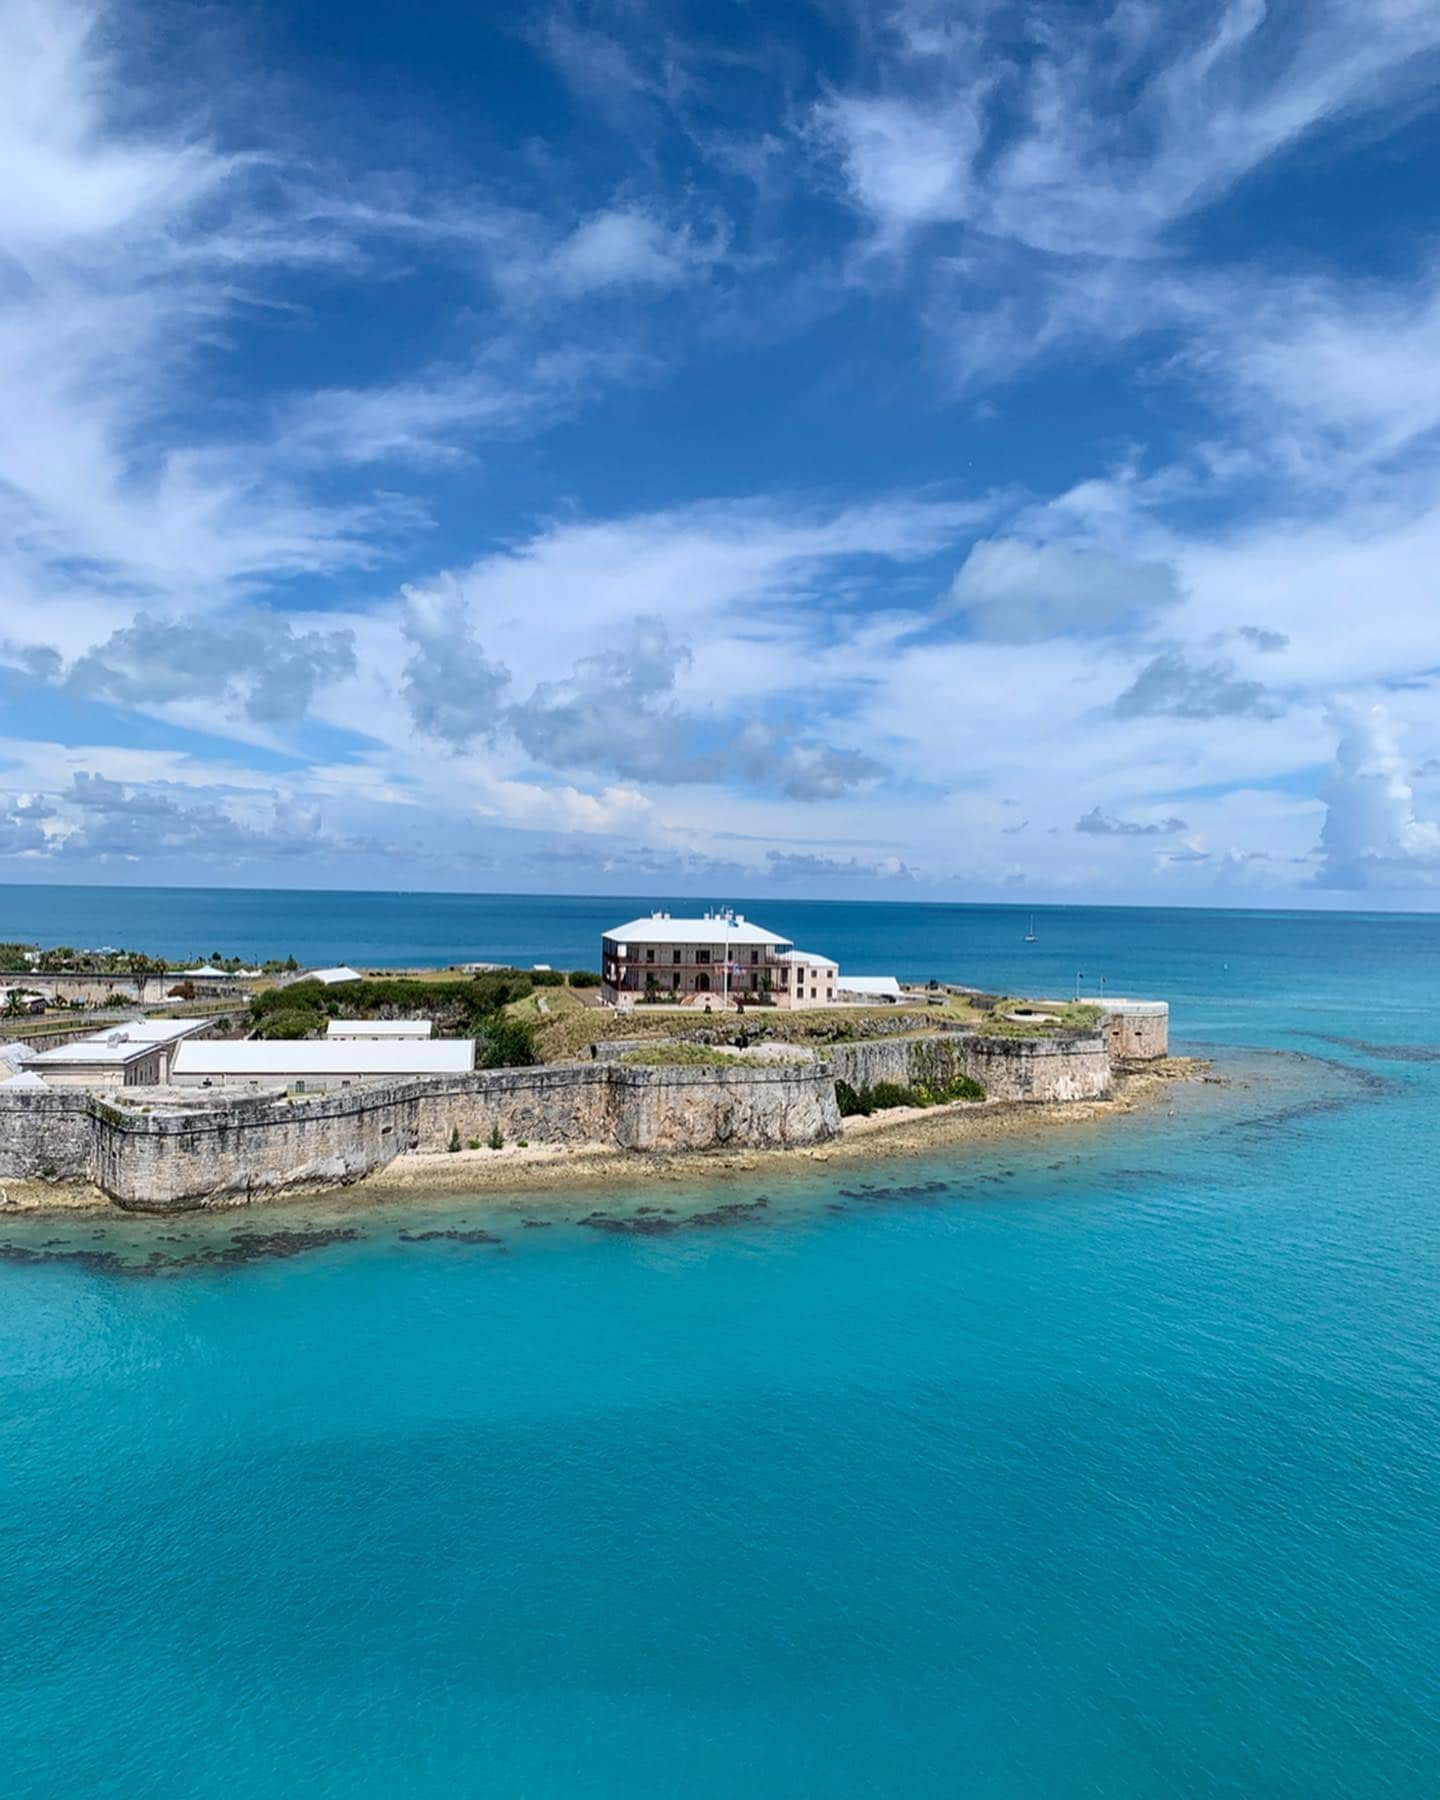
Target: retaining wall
[1074, 1067]
[178, 1156]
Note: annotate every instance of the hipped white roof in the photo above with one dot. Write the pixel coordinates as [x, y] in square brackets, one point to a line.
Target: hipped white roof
[666, 930]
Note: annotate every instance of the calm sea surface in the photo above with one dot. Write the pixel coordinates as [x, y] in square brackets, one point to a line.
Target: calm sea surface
[1103, 1464]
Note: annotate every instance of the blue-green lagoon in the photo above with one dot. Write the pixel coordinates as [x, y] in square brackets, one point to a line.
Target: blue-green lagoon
[1100, 1462]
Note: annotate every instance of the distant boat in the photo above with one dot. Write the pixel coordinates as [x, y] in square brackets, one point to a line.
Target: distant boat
[1030, 937]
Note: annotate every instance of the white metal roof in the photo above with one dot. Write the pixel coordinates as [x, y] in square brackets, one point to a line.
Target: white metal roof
[869, 984]
[807, 956]
[16, 1053]
[205, 969]
[324, 1056]
[331, 976]
[660, 928]
[27, 1078]
[379, 1028]
[94, 1050]
[158, 1031]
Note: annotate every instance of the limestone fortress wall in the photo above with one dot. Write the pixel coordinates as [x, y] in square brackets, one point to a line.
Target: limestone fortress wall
[161, 1150]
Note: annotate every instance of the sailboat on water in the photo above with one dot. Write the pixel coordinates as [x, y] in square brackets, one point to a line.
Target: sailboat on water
[1030, 937]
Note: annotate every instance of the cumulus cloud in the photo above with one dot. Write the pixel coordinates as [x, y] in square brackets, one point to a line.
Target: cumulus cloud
[799, 769]
[1017, 592]
[1170, 685]
[21, 828]
[260, 663]
[617, 710]
[140, 820]
[613, 711]
[1260, 638]
[42, 662]
[623, 247]
[1371, 836]
[1101, 824]
[452, 689]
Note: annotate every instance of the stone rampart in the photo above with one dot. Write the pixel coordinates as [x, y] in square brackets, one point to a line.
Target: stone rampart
[1137, 1030]
[760, 1107]
[931, 1062]
[155, 1152]
[46, 1135]
[152, 1154]
[1075, 1066]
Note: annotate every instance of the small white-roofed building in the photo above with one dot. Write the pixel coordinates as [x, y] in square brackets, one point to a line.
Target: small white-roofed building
[807, 978]
[110, 1061]
[380, 1029]
[318, 1062]
[332, 977]
[165, 1034]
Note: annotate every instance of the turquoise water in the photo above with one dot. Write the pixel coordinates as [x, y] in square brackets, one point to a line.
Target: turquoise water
[1103, 1464]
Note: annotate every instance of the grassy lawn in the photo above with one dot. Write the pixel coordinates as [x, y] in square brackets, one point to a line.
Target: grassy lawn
[570, 1033]
[683, 1056]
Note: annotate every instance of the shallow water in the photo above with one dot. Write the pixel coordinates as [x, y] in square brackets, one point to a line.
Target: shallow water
[1105, 1462]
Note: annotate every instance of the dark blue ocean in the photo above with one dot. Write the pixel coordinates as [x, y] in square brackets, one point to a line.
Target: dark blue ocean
[1102, 1463]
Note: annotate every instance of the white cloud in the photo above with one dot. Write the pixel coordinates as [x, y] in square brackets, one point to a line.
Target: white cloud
[259, 662]
[453, 690]
[1017, 592]
[1371, 837]
[1171, 684]
[624, 247]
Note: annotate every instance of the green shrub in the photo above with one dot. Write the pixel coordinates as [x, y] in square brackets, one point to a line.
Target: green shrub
[295, 1023]
[547, 977]
[454, 1144]
[457, 1004]
[584, 978]
[494, 988]
[886, 1094]
[472, 1143]
[496, 1139]
[853, 1101]
[502, 1042]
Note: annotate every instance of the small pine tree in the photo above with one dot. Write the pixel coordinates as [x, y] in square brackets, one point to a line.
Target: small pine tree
[496, 1140]
[454, 1139]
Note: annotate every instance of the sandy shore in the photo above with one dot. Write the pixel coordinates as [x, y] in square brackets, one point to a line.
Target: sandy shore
[537, 1167]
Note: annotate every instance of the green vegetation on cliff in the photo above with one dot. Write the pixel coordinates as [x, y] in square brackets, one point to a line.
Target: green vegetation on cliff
[886, 1094]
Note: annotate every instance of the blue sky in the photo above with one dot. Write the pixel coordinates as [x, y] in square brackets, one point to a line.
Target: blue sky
[975, 451]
